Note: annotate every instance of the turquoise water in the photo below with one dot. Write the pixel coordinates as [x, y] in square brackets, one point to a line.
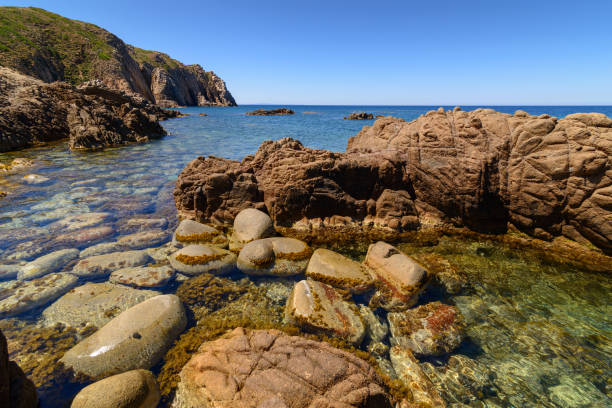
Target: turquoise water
[542, 341]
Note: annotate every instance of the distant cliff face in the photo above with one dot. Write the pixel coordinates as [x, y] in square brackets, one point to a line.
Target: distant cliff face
[50, 47]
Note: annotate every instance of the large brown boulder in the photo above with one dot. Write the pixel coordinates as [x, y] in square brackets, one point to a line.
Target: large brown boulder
[16, 390]
[91, 116]
[482, 169]
[263, 368]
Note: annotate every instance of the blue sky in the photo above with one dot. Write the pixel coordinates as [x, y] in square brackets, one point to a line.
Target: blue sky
[377, 52]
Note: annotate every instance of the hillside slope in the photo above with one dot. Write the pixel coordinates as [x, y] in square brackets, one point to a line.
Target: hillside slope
[50, 47]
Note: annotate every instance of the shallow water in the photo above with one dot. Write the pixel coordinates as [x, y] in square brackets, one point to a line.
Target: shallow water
[539, 334]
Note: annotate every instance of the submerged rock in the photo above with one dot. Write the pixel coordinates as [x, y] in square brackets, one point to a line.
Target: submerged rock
[132, 389]
[9, 272]
[16, 390]
[48, 263]
[315, 306]
[270, 369]
[277, 256]
[399, 277]
[191, 232]
[93, 303]
[431, 329]
[250, 224]
[141, 240]
[100, 249]
[410, 373]
[197, 259]
[80, 221]
[84, 237]
[35, 179]
[137, 338]
[102, 265]
[146, 223]
[143, 276]
[339, 271]
[443, 272]
[17, 297]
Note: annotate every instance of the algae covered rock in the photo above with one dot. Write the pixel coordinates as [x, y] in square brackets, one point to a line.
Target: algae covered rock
[250, 224]
[315, 306]
[132, 389]
[16, 390]
[277, 256]
[137, 338]
[197, 259]
[102, 265]
[143, 276]
[93, 303]
[20, 296]
[399, 277]
[267, 368]
[47, 264]
[339, 271]
[191, 232]
[431, 329]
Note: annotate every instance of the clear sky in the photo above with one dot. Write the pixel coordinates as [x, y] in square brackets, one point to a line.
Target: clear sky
[377, 52]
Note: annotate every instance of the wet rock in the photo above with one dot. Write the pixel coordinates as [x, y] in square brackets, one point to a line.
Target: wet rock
[102, 265]
[317, 307]
[399, 277]
[144, 239]
[270, 369]
[9, 272]
[197, 259]
[80, 221]
[17, 297]
[16, 390]
[161, 253]
[84, 237]
[132, 389]
[191, 232]
[431, 329]
[376, 328]
[576, 391]
[409, 372]
[93, 303]
[137, 338]
[143, 276]
[339, 271]
[100, 249]
[48, 263]
[269, 112]
[26, 251]
[35, 179]
[147, 223]
[444, 273]
[274, 256]
[359, 116]
[250, 224]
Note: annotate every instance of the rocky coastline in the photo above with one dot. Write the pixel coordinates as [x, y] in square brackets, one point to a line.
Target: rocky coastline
[90, 116]
[487, 171]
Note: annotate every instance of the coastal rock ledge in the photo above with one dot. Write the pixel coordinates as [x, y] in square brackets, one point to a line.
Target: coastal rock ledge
[485, 170]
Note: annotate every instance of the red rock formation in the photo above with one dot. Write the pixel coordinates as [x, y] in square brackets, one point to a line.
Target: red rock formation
[483, 169]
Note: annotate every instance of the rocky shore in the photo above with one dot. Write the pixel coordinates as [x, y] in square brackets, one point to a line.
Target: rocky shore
[485, 170]
[90, 116]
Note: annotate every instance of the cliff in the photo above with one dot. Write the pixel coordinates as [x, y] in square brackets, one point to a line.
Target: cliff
[52, 48]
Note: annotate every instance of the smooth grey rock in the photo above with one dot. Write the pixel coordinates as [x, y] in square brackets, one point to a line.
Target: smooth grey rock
[102, 265]
[146, 223]
[17, 297]
[197, 259]
[80, 221]
[9, 272]
[100, 249]
[277, 256]
[143, 276]
[250, 224]
[137, 338]
[46, 264]
[132, 389]
[93, 303]
[144, 239]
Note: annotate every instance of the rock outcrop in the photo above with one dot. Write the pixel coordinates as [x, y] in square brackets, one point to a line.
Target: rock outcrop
[54, 48]
[360, 116]
[271, 112]
[16, 390]
[270, 369]
[485, 170]
[33, 112]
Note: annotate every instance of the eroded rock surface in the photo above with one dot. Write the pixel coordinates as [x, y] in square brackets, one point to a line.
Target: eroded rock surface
[270, 369]
[482, 169]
